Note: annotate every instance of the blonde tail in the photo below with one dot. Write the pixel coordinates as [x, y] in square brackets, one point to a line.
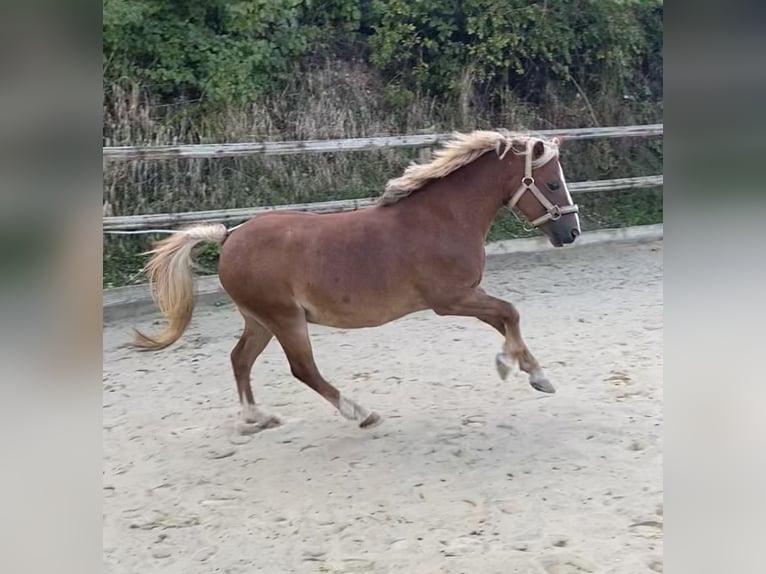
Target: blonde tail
[170, 276]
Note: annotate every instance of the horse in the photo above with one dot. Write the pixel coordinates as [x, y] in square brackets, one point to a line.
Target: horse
[419, 247]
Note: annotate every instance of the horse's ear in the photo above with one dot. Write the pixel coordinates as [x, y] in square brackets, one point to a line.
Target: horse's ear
[538, 150]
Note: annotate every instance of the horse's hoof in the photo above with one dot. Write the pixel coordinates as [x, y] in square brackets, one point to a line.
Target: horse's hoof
[269, 422]
[541, 383]
[503, 365]
[372, 420]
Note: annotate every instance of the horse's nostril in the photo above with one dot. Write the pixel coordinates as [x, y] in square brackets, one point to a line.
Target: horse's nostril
[575, 233]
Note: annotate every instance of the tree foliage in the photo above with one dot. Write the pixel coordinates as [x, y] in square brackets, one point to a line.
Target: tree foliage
[212, 49]
[595, 44]
[226, 51]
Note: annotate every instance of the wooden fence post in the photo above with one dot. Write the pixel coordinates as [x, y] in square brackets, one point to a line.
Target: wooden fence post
[425, 154]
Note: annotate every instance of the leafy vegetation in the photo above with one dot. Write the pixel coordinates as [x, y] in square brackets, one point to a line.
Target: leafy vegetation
[226, 51]
[594, 46]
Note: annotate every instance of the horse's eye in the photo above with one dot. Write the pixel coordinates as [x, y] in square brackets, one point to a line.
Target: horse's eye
[553, 185]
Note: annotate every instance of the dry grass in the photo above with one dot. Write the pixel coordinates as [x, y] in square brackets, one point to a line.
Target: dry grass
[339, 100]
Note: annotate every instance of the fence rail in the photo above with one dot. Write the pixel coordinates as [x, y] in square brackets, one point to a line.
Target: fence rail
[228, 216]
[197, 151]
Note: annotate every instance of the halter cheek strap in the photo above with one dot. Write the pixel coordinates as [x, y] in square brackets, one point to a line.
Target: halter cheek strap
[552, 212]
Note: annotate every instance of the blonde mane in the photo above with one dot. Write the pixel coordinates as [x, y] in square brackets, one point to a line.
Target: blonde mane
[461, 150]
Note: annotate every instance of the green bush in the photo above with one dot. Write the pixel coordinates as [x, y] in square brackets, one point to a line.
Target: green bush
[213, 49]
[224, 51]
[591, 46]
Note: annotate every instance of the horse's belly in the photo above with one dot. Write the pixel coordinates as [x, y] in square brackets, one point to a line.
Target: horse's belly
[344, 313]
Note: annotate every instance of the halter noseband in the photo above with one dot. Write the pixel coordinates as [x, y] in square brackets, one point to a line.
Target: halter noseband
[552, 212]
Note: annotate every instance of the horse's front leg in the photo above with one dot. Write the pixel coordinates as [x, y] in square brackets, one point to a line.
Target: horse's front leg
[504, 317]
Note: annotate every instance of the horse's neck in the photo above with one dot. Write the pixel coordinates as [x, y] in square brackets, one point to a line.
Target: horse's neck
[469, 197]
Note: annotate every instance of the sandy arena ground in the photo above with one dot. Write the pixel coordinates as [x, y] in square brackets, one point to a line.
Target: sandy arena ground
[467, 474]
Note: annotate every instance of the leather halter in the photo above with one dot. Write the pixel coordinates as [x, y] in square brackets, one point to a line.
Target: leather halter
[552, 211]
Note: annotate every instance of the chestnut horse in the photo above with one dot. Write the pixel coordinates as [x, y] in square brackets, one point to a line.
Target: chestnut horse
[421, 247]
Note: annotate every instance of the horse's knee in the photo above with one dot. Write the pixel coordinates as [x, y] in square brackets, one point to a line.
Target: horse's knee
[510, 314]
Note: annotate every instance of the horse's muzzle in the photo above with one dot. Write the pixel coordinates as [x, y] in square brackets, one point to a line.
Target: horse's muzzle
[561, 237]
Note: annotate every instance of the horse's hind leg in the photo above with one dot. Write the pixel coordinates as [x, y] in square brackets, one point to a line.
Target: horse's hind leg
[293, 335]
[253, 341]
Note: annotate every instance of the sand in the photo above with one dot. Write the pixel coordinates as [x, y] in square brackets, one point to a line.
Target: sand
[466, 474]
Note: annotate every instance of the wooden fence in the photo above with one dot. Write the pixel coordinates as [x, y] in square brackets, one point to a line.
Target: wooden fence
[139, 222]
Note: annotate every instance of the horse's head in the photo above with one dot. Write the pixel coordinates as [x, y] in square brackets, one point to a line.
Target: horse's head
[539, 191]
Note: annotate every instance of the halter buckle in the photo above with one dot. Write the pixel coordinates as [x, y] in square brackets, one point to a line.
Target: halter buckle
[555, 212]
[527, 181]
